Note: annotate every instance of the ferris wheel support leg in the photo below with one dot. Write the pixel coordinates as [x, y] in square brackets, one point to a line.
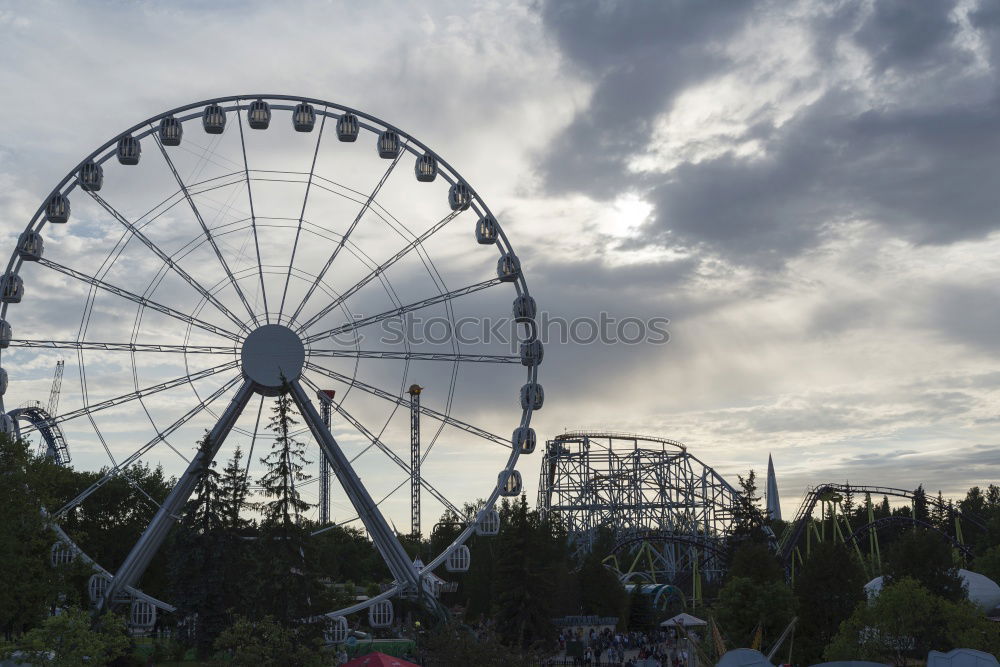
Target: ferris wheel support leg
[156, 532]
[382, 535]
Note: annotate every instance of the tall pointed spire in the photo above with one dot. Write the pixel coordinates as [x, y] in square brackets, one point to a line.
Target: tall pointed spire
[773, 505]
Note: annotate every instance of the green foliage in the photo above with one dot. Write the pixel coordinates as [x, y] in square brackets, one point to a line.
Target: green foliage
[67, 640]
[925, 557]
[524, 582]
[26, 540]
[268, 643]
[641, 614]
[906, 621]
[743, 604]
[988, 563]
[210, 563]
[757, 562]
[459, 645]
[828, 588]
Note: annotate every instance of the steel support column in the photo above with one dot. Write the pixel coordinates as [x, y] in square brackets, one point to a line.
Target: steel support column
[378, 529]
[146, 547]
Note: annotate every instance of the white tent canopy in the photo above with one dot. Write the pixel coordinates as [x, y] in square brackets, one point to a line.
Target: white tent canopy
[687, 620]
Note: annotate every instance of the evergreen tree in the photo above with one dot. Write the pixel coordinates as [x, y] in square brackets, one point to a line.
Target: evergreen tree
[198, 568]
[938, 516]
[234, 491]
[920, 512]
[284, 576]
[925, 557]
[848, 502]
[523, 614]
[827, 589]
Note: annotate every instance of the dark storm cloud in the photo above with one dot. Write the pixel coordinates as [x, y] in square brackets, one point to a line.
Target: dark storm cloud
[909, 33]
[640, 54]
[920, 160]
[926, 174]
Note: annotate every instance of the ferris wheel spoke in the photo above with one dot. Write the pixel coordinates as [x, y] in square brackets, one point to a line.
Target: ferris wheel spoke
[375, 441]
[253, 216]
[382, 535]
[388, 396]
[205, 229]
[402, 310]
[121, 347]
[156, 532]
[208, 296]
[416, 356]
[347, 234]
[377, 271]
[144, 392]
[302, 214]
[139, 453]
[141, 300]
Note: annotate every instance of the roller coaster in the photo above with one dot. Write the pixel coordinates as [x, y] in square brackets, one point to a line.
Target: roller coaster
[796, 540]
[670, 514]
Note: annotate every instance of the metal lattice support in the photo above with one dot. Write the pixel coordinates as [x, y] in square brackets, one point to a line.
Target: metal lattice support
[325, 397]
[415, 459]
[648, 492]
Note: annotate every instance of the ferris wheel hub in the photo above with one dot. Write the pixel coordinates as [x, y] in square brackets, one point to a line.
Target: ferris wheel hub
[271, 355]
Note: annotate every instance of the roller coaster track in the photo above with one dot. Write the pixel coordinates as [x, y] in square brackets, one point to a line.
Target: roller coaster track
[51, 433]
[877, 524]
[797, 527]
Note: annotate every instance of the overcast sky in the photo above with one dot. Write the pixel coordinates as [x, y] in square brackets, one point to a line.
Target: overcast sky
[807, 190]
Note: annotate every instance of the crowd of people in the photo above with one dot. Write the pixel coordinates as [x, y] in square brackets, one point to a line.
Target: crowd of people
[662, 648]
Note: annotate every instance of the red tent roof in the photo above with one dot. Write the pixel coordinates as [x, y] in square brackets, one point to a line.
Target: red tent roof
[379, 660]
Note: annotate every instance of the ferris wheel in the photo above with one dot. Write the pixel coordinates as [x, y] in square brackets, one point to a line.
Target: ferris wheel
[229, 250]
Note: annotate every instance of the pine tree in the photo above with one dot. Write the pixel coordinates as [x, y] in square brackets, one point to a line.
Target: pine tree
[198, 568]
[285, 578]
[920, 504]
[235, 489]
[285, 464]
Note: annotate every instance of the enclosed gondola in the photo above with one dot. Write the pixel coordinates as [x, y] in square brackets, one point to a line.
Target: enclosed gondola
[336, 630]
[129, 150]
[142, 616]
[3, 381]
[57, 208]
[524, 309]
[509, 483]
[380, 614]
[426, 168]
[213, 119]
[508, 268]
[11, 288]
[488, 523]
[7, 425]
[60, 554]
[97, 585]
[304, 117]
[30, 246]
[460, 196]
[259, 114]
[531, 353]
[170, 132]
[459, 560]
[532, 396]
[486, 230]
[90, 177]
[524, 439]
[6, 333]
[347, 127]
[388, 145]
